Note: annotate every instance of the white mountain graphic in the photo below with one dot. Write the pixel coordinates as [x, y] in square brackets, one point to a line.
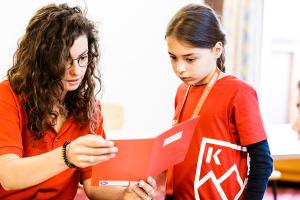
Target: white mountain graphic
[217, 182]
[210, 175]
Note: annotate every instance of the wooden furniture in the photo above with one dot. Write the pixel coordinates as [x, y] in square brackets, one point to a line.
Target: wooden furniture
[276, 175]
[285, 149]
[113, 116]
[289, 168]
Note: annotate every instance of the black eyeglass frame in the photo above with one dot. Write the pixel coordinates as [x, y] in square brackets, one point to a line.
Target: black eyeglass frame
[70, 61]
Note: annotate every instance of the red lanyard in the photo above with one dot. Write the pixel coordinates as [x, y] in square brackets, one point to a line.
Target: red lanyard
[202, 99]
[209, 86]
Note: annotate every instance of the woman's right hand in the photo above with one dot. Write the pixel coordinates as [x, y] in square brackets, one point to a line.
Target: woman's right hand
[89, 150]
[143, 190]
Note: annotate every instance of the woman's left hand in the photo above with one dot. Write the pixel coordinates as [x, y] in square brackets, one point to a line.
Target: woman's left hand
[141, 190]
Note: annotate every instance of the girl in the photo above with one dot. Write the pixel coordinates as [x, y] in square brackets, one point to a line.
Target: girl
[48, 109]
[230, 127]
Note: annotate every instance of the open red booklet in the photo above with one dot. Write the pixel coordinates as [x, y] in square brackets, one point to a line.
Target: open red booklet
[139, 158]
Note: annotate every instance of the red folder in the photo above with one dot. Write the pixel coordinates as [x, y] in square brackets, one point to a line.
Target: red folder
[139, 158]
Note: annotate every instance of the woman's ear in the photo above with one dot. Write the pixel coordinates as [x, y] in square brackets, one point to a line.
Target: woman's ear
[218, 49]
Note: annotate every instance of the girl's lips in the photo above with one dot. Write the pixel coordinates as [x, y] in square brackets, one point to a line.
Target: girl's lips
[185, 78]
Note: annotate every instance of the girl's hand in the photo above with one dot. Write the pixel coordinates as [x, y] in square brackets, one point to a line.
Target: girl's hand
[89, 150]
[141, 190]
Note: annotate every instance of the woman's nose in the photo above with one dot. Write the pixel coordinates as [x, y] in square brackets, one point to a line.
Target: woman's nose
[74, 68]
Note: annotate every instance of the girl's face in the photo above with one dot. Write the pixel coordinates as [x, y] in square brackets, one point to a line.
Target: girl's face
[76, 65]
[194, 66]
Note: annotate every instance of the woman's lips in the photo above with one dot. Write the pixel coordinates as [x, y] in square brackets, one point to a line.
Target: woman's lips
[74, 82]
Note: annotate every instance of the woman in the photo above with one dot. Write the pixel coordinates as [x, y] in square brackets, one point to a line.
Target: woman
[51, 126]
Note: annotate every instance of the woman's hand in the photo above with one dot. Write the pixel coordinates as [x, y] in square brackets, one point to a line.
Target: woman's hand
[141, 190]
[89, 150]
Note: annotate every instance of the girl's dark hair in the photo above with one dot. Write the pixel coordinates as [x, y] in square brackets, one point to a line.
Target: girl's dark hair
[39, 66]
[198, 26]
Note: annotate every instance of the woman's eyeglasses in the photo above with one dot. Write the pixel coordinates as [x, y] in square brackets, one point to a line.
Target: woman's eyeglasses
[82, 61]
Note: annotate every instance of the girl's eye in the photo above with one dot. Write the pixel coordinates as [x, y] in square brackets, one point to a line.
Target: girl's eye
[172, 57]
[190, 59]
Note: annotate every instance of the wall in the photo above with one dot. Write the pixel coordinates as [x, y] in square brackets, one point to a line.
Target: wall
[280, 69]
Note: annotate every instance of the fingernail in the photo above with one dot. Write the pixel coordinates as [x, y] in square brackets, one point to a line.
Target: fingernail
[141, 183]
[134, 183]
[115, 149]
[101, 138]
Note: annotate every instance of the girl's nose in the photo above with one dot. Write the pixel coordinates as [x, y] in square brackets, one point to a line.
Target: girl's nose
[180, 68]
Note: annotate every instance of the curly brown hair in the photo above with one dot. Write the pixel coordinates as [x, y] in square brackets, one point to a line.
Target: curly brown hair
[39, 66]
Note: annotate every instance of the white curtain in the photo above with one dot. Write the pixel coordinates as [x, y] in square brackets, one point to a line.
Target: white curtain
[242, 21]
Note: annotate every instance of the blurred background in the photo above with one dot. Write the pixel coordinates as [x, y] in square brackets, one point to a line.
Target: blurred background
[263, 49]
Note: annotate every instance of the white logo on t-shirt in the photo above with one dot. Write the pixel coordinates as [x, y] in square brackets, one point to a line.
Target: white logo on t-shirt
[210, 175]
